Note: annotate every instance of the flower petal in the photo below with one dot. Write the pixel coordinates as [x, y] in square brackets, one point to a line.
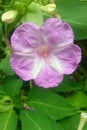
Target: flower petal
[48, 77]
[57, 32]
[66, 61]
[23, 66]
[24, 37]
[26, 67]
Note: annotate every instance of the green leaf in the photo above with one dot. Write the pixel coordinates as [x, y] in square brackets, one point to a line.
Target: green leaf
[36, 120]
[85, 126]
[52, 104]
[5, 66]
[13, 84]
[33, 14]
[78, 99]
[70, 123]
[85, 86]
[8, 121]
[84, 0]
[73, 12]
[68, 85]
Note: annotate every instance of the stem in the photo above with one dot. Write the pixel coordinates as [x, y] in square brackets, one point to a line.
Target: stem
[7, 43]
[0, 1]
[7, 40]
[54, 14]
[30, 84]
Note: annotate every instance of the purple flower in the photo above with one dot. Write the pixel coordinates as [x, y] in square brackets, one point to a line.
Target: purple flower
[44, 53]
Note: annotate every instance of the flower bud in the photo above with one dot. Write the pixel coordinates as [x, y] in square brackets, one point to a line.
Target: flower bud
[50, 8]
[83, 120]
[9, 16]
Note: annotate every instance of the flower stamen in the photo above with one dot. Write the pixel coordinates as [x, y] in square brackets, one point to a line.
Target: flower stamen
[44, 52]
[43, 49]
[47, 58]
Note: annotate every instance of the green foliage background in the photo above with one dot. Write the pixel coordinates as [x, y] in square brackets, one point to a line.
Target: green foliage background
[26, 108]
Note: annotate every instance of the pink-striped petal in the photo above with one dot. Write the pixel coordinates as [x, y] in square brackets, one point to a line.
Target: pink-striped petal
[22, 66]
[24, 37]
[48, 77]
[67, 60]
[26, 67]
[57, 32]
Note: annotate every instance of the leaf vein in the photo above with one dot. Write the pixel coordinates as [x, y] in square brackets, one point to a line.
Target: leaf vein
[75, 22]
[32, 121]
[49, 105]
[6, 123]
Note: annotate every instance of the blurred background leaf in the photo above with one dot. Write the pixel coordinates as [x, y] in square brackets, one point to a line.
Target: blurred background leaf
[68, 85]
[74, 12]
[12, 86]
[5, 66]
[78, 99]
[71, 123]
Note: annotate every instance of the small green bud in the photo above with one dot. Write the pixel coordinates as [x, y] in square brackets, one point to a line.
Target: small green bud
[6, 100]
[50, 8]
[9, 16]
